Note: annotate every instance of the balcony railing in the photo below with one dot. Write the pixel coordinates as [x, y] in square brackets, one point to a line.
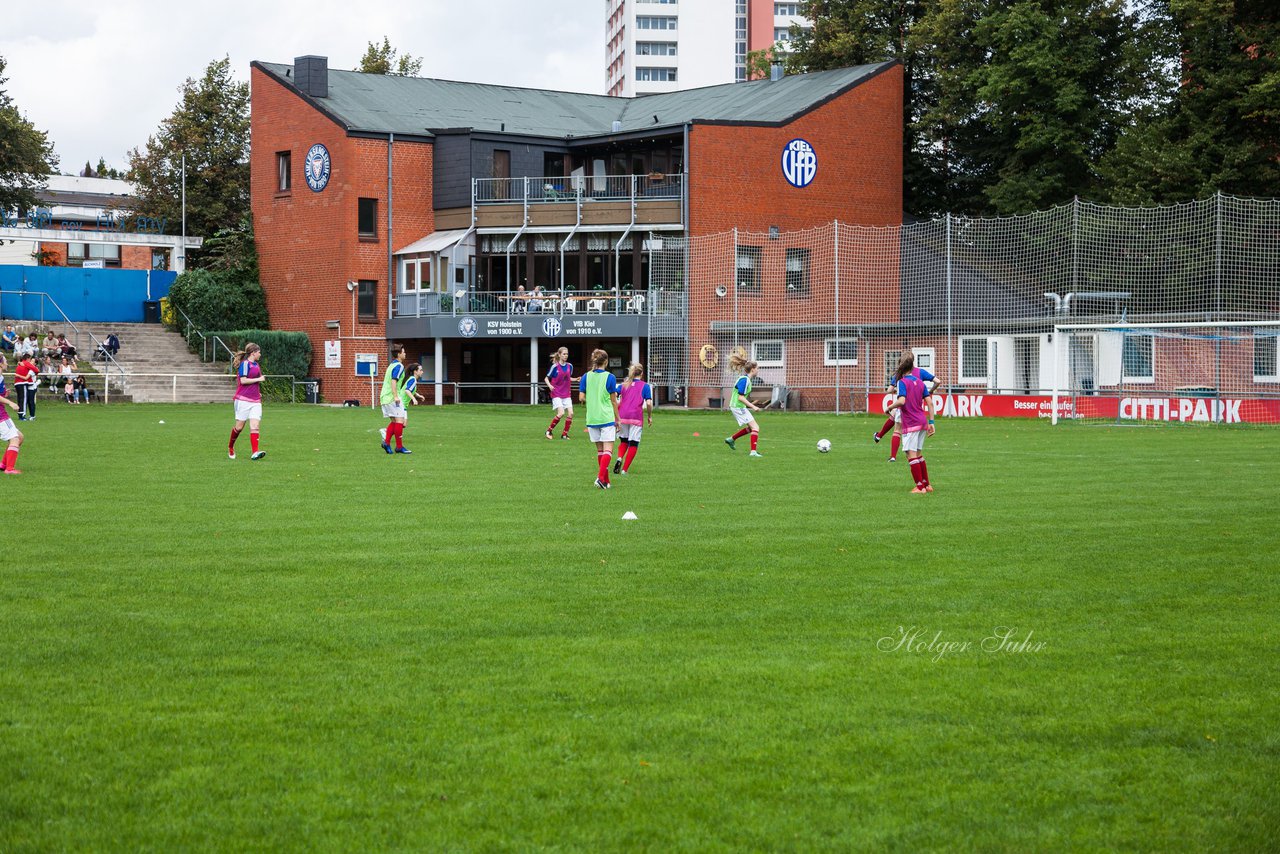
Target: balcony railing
[505, 191]
[561, 304]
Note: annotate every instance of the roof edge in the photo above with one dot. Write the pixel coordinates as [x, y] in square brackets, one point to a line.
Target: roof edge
[843, 90]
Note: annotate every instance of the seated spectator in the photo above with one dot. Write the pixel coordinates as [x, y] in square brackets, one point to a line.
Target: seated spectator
[65, 369]
[65, 347]
[28, 347]
[80, 389]
[50, 346]
[9, 340]
[535, 300]
[68, 389]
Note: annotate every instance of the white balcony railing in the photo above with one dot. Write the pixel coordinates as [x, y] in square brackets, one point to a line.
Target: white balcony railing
[549, 190]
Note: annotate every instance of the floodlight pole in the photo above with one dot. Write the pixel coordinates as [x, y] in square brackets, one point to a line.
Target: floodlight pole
[182, 250]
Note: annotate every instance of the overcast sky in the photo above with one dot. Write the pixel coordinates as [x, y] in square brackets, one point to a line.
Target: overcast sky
[99, 77]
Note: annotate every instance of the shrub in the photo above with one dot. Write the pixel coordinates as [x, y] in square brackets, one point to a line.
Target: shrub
[219, 299]
[282, 352]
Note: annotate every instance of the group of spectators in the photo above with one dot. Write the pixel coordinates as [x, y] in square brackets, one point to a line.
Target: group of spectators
[54, 346]
[51, 361]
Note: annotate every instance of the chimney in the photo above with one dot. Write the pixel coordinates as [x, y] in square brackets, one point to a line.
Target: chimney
[775, 70]
[311, 75]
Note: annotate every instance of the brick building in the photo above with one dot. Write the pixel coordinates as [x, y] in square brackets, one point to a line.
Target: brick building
[429, 211]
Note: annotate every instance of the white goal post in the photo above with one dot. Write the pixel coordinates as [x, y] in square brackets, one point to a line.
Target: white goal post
[1219, 372]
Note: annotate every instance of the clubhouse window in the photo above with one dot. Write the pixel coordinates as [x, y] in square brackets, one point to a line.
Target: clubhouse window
[749, 268]
[367, 300]
[284, 171]
[367, 219]
[797, 272]
[107, 253]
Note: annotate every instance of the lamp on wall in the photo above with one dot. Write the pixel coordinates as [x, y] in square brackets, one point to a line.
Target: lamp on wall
[351, 286]
[721, 291]
[332, 324]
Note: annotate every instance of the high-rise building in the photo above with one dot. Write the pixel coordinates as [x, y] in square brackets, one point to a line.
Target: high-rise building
[664, 45]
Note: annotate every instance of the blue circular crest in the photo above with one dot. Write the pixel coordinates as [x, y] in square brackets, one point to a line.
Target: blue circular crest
[317, 167]
[551, 327]
[468, 327]
[799, 163]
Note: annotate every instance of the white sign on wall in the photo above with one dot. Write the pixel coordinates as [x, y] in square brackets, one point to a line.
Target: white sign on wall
[333, 354]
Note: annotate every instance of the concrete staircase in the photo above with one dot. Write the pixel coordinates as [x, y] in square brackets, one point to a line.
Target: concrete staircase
[151, 356]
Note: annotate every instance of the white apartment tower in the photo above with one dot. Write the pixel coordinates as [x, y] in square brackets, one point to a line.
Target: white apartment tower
[664, 45]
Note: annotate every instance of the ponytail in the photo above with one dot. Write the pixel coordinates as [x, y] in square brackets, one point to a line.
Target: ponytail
[739, 362]
[249, 349]
[905, 364]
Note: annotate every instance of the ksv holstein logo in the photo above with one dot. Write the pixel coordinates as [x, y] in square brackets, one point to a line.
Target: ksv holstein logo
[799, 163]
[317, 167]
[468, 327]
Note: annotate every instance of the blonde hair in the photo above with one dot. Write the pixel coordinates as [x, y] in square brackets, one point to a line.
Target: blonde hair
[740, 363]
[599, 358]
[241, 355]
[555, 354]
[635, 372]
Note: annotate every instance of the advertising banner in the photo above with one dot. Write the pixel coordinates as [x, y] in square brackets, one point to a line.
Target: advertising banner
[1173, 409]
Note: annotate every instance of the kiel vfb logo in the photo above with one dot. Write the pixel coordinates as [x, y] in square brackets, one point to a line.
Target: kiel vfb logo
[799, 163]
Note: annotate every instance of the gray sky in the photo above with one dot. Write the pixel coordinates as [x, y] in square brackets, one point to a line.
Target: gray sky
[99, 77]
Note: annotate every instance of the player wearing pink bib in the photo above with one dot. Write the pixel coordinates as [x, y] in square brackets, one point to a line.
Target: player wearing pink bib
[8, 430]
[635, 402]
[917, 419]
[248, 399]
[560, 381]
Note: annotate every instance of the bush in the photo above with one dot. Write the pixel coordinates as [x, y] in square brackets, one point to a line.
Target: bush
[219, 299]
[282, 352]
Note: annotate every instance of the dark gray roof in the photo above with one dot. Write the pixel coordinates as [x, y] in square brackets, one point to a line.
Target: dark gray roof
[380, 103]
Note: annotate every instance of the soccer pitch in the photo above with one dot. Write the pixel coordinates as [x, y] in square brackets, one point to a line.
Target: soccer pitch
[1070, 644]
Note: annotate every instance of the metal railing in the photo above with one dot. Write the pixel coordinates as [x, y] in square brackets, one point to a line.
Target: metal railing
[210, 345]
[559, 188]
[137, 380]
[93, 352]
[557, 303]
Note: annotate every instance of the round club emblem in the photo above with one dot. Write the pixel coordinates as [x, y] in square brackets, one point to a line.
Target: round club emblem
[551, 327]
[708, 356]
[468, 327]
[317, 167]
[799, 163]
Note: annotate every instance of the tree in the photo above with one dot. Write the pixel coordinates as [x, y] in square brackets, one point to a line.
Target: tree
[1217, 128]
[27, 158]
[210, 125]
[382, 59]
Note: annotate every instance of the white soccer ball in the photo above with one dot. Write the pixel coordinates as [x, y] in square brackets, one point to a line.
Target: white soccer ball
[823, 446]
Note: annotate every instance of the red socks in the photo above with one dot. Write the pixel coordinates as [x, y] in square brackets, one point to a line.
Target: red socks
[235, 434]
[568, 422]
[395, 430]
[888, 425]
[554, 422]
[754, 437]
[917, 472]
[253, 440]
[744, 431]
[924, 472]
[10, 459]
[631, 455]
[604, 458]
[895, 446]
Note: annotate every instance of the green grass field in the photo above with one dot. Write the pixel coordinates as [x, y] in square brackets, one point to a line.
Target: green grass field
[467, 648]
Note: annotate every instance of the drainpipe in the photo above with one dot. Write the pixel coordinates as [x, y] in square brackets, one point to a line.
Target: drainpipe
[1057, 302]
[1066, 304]
[391, 285]
[617, 248]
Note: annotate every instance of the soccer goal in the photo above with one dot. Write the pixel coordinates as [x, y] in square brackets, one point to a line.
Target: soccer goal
[1187, 373]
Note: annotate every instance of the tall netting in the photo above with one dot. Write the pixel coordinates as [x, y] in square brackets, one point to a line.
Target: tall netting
[828, 312]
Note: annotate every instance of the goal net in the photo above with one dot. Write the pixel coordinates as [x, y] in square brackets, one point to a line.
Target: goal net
[1187, 373]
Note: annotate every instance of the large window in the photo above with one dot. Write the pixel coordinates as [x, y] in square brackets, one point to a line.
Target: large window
[367, 219]
[767, 354]
[749, 268]
[1137, 358]
[661, 2]
[781, 9]
[840, 351]
[656, 49]
[973, 360]
[1264, 357]
[107, 253]
[655, 22]
[664, 75]
[284, 171]
[797, 272]
[782, 34]
[367, 300]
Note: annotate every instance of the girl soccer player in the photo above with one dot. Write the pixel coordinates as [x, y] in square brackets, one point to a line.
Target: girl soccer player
[411, 395]
[739, 404]
[894, 419]
[917, 419]
[248, 399]
[393, 403]
[598, 389]
[635, 401]
[559, 380]
[8, 430]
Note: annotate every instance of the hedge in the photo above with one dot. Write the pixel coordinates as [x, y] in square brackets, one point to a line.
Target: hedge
[219, 299]
[282, 352]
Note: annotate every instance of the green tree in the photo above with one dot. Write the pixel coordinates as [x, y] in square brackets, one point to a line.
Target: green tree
[210, 125]
[1217, 128]
[383, 59]
[26, 156]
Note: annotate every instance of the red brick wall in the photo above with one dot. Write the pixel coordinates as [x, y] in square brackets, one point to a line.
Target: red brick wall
[307, 242]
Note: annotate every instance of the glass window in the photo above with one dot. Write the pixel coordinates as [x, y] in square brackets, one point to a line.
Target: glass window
[781, 9]
[159, 259]
[656, 49]
[284, 171]
[768, 354]
[749, 268]
[1264, 357]
[797, 272]
[664, 75]
[653, 22]
[841, 351]
[410, 281]
[367, 299]
[107, 253]
[973, 360]
[367, 224]
[1137, 357]
[781, 34]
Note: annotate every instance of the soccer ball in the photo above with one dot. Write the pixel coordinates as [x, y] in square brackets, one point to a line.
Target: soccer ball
[823, 446]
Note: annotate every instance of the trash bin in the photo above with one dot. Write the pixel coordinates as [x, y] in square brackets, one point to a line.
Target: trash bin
[151, 311]
[311, 387]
